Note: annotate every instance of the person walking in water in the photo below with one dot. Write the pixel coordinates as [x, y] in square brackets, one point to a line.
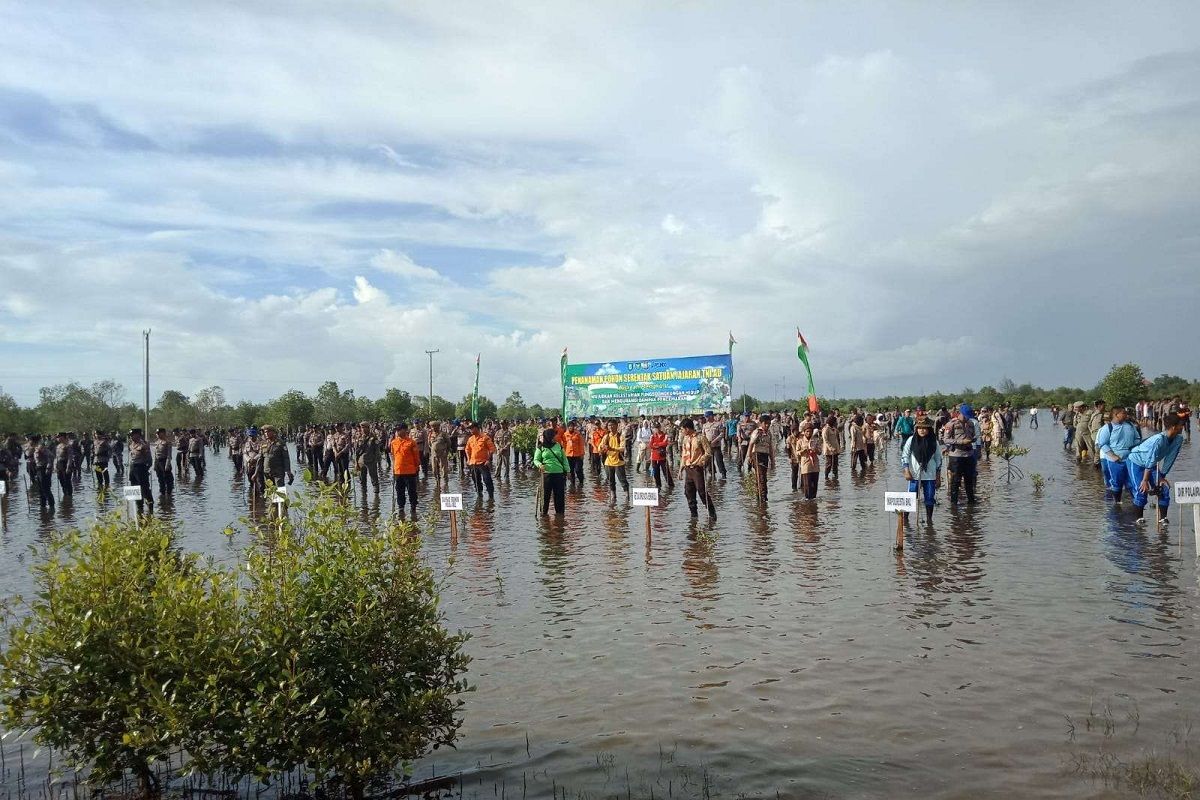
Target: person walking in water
[695, 453]
[550, 458]
[922, 460]
[1114, 441]
[612, 449]
[659, 443]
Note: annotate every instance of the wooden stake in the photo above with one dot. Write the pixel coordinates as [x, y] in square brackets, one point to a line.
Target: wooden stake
[453, 528]
[899, 530]
[647, 526]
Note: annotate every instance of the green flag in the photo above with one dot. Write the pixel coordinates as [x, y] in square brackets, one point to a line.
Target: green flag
[802, 354]
[475, 396]
[562, 376]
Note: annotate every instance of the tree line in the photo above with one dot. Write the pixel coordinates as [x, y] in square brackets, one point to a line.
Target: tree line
[104, 405]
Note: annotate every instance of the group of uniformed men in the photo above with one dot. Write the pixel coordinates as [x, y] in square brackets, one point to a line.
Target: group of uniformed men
[692, 448]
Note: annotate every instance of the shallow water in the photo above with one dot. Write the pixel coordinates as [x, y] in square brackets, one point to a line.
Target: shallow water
[791, 651]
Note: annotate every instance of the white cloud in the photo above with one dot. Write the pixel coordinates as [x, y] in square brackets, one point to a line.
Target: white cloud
[928, 215]
[364, 292]
[403, 266]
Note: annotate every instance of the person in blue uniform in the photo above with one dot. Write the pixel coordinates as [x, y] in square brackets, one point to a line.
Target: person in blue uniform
[1149, 464]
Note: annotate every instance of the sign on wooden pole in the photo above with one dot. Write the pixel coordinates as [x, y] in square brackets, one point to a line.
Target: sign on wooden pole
[901, 503]
[648, 498]
[452, 503]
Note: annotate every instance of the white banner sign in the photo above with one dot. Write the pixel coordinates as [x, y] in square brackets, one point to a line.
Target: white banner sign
[3, 488]
[280, 495]
[1187, 493]
[131, 493]
[645, 497]
[452, 502]
[900, 501]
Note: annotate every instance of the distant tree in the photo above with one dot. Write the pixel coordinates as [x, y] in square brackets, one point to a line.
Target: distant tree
[513, 408]
[748, 403]
[291, 409]
[334, 405]
[211, 408]
[1124, 385]
[1169, 386]
[394, 406]
[245, 414]
[14, 419]
[70, 406]
[442, 408]
[174, 410]
[487, 409]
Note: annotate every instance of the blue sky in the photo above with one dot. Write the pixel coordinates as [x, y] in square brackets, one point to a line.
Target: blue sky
[939, 196]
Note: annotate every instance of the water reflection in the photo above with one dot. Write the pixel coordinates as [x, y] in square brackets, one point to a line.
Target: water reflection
[810, 592]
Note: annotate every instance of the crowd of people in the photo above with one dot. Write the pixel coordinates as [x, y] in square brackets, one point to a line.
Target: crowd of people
[1135, 451]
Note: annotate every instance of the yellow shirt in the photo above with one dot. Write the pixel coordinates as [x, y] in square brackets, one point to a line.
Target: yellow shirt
[614, 455]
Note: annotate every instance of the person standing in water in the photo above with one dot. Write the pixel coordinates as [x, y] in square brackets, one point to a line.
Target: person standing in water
[922, 460]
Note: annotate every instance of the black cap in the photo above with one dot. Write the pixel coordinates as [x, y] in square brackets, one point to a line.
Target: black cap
[135, 431]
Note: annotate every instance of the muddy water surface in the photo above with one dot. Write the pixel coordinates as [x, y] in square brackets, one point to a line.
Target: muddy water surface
[790, 651]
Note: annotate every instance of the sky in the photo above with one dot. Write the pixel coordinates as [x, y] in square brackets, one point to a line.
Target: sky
[940, 195]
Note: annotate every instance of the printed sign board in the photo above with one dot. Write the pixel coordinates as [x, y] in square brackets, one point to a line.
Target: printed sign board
[645, 497]
[280, 495]
[689, 385]
[132, 493]
[452, 502]
[3, 488]
[1187, 493]
[900, 501]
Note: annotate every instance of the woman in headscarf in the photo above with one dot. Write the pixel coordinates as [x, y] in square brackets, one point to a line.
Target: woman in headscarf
[922, 460]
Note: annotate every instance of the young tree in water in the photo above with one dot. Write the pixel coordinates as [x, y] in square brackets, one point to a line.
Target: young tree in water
[1124, 385]
[357, 675]
[128, 654]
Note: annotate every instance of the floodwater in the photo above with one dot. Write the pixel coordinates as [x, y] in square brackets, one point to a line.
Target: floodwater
[792, 652]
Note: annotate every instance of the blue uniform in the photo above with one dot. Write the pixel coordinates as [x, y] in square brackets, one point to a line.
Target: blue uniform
[1118, 439]
[1157, 454]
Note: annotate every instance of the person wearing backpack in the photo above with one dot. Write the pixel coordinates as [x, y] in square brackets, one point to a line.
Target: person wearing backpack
[1114, 441]
[552, 461]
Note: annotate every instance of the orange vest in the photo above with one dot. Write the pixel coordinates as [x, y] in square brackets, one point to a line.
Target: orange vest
[479, 448]
[572, 444]
[406, 456]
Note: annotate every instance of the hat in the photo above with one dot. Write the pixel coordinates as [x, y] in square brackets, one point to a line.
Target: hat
[252, 431]
[1077, 404]
[925, 423]
[708, 413]
[135, 431]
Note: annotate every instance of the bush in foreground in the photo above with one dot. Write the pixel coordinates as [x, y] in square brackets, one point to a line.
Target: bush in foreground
[323, 650]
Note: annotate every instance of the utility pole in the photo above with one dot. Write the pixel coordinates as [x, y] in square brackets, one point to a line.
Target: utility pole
[146, 386]
[430, 354]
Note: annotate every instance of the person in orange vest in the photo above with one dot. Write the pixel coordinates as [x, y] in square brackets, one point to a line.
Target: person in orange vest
[572, 444]
[406, 462]
[597, 436]
[479, 450]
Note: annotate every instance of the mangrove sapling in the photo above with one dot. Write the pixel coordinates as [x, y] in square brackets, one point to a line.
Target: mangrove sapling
[129, 653]
[1009, 452]
[358, 676]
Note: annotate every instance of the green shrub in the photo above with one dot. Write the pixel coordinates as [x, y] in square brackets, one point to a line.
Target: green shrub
[356, 676]
[128, 654]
